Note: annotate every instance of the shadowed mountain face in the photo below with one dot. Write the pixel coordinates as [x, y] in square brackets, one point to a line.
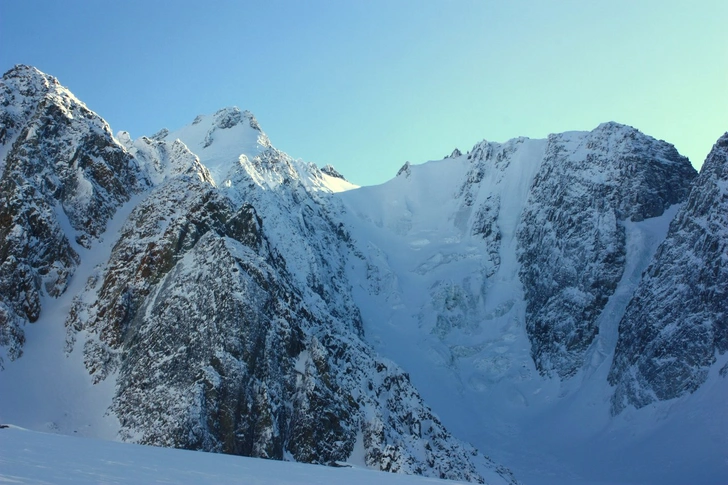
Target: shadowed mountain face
[677, 321]
[572, 237]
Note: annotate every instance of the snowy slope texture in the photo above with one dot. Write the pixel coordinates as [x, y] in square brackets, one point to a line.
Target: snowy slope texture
[677, 321]
[459, 251]
[226, 318]
[62, 176]
[572, 237]
[163, 160]
[30, 457]
[219, 139]
[304, 228]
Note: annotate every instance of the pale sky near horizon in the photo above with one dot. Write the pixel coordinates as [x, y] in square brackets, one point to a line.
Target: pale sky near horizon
[369, 85]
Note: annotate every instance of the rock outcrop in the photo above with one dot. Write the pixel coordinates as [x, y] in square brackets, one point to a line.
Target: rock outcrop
[677, 321]
[62, 177]
[572, 240]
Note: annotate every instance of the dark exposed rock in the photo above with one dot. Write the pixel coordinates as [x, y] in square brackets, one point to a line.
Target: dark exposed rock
[571, 235]
[227, 118]
[405, 170]
[677, 320]
[455, 154]
[159, 231]
[62, 178]
[160, 135]
[332, 172]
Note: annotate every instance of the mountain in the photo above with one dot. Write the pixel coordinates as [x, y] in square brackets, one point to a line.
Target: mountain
[545, 218]
[221, 314]
[63, 177]
[676, 324]
[507, 270]
[557, 304]
[571, 238]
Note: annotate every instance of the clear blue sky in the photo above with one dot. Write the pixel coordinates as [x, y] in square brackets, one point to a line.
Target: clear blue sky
[368, 85]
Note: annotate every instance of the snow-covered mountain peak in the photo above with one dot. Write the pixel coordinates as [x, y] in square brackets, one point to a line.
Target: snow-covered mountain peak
[28, 80]
[226, 283]
[486, 151]
[235, 151]
[63, 176]
[613, 126]
[274, 170]
[455, 154]
[23, 89]
[619, 131]
[616, 140]
[716, 164]
[334, 181]
[220, 139]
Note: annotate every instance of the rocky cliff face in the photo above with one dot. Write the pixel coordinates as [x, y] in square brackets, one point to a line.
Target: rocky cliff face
[571, 236]
[62, 177]
[225, 315]
[677, 321]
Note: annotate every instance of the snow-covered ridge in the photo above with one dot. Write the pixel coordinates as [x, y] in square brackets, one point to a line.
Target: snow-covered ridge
[230, 139]
[163, 160]
[221, 139]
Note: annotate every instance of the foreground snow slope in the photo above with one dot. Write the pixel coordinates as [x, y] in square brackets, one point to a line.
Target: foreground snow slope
[30, 457]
